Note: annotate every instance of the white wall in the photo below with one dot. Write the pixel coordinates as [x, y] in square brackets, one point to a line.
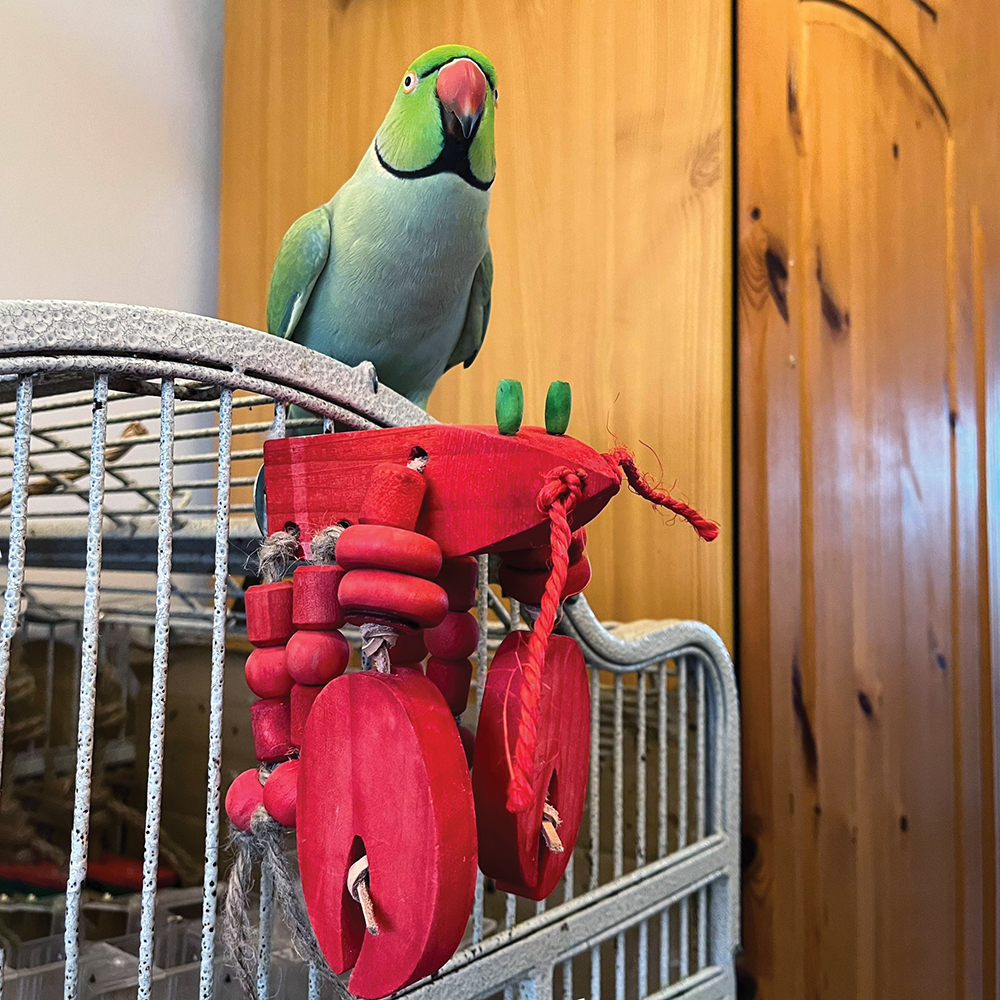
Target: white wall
[109, 150]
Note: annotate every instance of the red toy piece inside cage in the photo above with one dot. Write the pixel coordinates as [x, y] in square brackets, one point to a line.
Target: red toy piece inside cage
[385, 811]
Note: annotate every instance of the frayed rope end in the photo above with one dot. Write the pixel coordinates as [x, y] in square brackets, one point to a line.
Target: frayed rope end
[640, 483]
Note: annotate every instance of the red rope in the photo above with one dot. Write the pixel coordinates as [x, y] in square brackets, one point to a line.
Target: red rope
[556, 498]
[641, 484]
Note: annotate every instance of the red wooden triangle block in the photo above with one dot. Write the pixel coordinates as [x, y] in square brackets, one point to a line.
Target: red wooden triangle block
[482, 486]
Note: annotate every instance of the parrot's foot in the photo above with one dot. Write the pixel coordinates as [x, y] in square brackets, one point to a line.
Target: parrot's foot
[368, 370]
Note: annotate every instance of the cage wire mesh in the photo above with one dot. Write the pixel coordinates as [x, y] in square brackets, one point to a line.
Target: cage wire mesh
[130, 440]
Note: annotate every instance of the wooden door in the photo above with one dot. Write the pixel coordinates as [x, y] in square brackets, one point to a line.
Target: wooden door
[868, 245]
[610, 228]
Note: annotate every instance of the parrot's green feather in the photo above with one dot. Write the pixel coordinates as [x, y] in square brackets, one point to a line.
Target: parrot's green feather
[412, 138]
[303, 254]
[478, 316]
[396, 268]
[432, 60]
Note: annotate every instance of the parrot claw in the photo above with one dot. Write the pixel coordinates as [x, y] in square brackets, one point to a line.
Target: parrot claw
[368, 369]
[260, 502]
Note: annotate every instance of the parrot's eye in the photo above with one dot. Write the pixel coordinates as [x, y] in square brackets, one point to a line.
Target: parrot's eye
[409, 83]
[496, 96]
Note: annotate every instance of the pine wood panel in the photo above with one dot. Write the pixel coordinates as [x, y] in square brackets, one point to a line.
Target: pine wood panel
[609, 227]
[868, 263]
[875, 363]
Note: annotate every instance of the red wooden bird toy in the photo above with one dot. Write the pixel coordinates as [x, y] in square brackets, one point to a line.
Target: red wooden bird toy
[372, 768]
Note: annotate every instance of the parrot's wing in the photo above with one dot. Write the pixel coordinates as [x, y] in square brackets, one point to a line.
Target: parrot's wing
[303, 254]
[478, 316]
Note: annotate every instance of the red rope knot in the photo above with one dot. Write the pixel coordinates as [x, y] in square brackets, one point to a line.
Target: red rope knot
[560, 493]
[563, 484]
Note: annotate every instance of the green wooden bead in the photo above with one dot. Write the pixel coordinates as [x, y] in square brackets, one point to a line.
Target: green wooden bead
[510, 406]
[558, 404]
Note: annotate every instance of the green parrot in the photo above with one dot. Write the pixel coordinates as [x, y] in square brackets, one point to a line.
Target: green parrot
[396, 267]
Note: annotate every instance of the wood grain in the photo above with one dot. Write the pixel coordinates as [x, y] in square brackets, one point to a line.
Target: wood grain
[866, 223]
[987, 587]
[609, 228]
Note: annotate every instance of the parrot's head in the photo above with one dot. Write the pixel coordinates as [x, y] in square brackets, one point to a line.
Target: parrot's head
[441, 120]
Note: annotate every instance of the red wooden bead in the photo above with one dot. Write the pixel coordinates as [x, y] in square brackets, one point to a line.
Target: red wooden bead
[409, 647]
[540, 557]
[271, 721]
[269, 613]
[280, 792]
[453, 679]
[468, 743]
[528, 586]
[383, 773]
[419, 667]
[316, 657]
[394, 497]
[380, 596]
[314, 604]
[460, 579]
[266, 674]
[378, 546]
[302, 698]
[455, 638]
[529, 560]
[242, 798]
[510, 845]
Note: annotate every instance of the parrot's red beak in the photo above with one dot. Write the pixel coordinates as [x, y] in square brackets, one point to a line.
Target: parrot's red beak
[461, 89]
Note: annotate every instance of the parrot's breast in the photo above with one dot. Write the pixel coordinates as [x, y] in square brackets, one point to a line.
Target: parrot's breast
[395, 290]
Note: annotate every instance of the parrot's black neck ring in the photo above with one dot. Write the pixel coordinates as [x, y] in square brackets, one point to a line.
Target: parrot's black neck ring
[453, 159]
[444, 164]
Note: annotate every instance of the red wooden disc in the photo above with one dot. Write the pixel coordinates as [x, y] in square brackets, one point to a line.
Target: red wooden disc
[455, 638]
[468, 738]
[271, 722]
[280, 792]
[302, 698]
[316, 657]
[394, 497]
[266, 674]
[510, 845]
[540, 557]
[528, 586]
[243, 797]
[453, 679]
[381, 596]
[314, 597]
[409, 647]
[460, 579]
[377, 546]
[269, 613]
[383, 773]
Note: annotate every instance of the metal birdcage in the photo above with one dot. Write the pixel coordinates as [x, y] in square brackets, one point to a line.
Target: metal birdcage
[131, 535]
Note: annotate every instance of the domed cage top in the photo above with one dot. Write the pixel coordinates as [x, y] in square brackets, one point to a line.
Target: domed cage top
[129, 443]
